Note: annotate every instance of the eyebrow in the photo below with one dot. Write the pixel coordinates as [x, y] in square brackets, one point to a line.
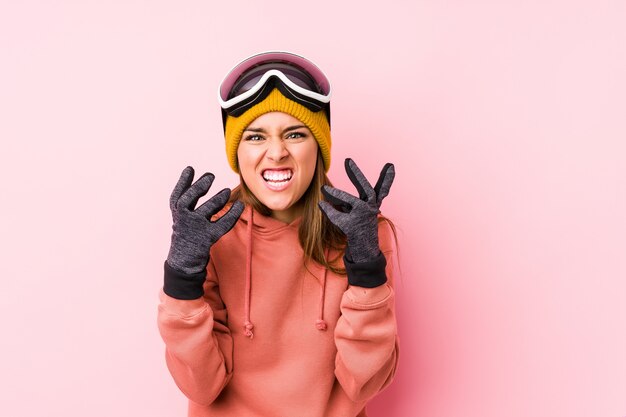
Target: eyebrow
[293, 128]
[261, 130]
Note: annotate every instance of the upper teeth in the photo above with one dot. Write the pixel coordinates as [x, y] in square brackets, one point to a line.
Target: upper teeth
[277, 175]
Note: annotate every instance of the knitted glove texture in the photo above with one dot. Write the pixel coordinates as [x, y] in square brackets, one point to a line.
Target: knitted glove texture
[193, 231]
[357, 217]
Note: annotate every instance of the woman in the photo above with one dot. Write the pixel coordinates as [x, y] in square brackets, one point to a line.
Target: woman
[277, 299]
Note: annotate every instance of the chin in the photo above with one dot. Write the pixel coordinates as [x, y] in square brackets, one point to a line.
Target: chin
[277, 204]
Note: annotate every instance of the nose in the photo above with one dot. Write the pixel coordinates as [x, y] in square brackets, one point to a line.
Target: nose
[276, 150]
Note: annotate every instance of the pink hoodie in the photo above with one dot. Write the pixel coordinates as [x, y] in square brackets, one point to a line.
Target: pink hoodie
[270, 338]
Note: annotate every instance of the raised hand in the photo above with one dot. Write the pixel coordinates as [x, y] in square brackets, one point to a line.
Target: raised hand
[357, 216]
[193, 231]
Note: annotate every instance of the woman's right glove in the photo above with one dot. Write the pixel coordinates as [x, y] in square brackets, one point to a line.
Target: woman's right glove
[194, 233]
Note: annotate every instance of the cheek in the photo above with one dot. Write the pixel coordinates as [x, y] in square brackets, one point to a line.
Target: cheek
[309, 160]
[246, 160]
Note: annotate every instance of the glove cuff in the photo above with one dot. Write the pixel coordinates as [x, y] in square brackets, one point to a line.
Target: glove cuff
[183, 286]
[367, 274]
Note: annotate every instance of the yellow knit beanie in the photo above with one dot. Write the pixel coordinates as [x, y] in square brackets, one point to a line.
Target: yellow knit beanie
[275, 101]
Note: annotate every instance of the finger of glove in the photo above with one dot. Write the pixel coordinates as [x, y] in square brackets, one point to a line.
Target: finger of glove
[387, 174]
[339, 197]
[340, 205]
[199, 188]
[214, 204]
[228, 220]
[334, 215]
[186, 177]
[366, 192]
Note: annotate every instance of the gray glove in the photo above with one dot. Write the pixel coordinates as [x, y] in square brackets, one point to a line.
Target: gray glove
[357, 217]
[193, 231]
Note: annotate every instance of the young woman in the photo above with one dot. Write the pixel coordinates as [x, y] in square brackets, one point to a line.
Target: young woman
[278, 299]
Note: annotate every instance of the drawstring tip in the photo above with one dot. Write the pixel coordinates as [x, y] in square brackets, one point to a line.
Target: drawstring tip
[247, 326]
[321, 325]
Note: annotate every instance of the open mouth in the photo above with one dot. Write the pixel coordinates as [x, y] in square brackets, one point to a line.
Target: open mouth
[277, 177]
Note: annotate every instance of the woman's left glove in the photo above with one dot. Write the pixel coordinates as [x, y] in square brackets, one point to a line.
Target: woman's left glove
[357, 217]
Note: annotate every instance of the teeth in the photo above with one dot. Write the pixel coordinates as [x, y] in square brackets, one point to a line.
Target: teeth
[277, 176]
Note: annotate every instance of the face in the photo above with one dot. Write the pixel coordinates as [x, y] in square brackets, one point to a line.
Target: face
[277, 156]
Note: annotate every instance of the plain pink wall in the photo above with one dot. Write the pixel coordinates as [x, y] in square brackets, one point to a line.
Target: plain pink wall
[505, 120]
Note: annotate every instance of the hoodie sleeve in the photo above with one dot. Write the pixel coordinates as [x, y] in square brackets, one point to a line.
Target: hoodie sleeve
[198, 344]
[366, 332]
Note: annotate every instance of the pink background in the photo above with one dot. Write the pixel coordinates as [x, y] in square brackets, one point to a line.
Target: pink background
[506, 122]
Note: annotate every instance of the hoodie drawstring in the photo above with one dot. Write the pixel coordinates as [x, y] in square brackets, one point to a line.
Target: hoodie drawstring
[247, 325]
[320, 323]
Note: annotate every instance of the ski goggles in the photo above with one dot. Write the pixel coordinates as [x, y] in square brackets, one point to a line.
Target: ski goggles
[297, 78]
